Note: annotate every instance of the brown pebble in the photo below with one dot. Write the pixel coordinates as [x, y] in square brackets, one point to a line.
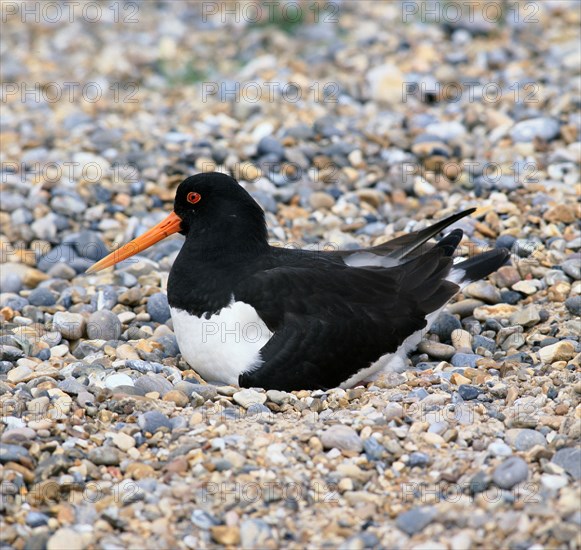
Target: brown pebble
[176, 396]
[225, 534]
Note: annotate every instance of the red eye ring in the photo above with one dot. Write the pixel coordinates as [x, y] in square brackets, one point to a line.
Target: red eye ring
[193, 197]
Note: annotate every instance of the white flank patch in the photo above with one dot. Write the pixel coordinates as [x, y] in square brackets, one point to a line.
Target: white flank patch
[223, 346]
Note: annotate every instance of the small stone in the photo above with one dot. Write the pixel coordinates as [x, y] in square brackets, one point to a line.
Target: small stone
[42, 297]
[139, 470]
[72, 386]
[561, 351]
[104, 456]
[65, 539]
[465, 360]
[225, 534]
[341, 437]
[458, 379]
[569, 458]
[256, 533]
[499, 311]
[154, 383]
[123, 441]
[554, 482]
[70, 325]
[507, 275]
[415, 520]
[572, 268]
[18, 374]
[462, 340]
[203, 519]
[573, 304]
[103, 325]
[158, 308]
[465, 308]
[13, 453]
[499, 448]
[444, 325]
[436, 350]
[523, 439]
[119, 379]
[374, 450]
[418, 459]
[483, 342]
[177, 397]
[468, 393]
[512, 471]
[525, 287]
[36, 519]
[247, 397]
[563, 213]
[526, 317]
[483, 290]
[526, 131]
[278, 397]
[320, 199]
[151, 421]
[270, 146]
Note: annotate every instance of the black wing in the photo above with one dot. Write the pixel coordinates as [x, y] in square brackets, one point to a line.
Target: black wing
[329, 320]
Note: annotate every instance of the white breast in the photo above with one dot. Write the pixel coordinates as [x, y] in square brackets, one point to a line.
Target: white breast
[225, 345]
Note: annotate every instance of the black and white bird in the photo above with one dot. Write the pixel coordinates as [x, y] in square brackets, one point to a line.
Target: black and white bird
[250, 314]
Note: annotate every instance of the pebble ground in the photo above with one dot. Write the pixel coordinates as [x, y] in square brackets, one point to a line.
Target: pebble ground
[350, 124]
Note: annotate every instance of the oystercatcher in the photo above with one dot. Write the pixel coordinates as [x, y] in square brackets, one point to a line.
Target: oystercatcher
[250, 314]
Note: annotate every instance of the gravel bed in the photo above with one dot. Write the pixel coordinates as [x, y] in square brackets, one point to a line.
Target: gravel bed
[364, 128]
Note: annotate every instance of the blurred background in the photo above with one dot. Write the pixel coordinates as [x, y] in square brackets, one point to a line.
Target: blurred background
[341, 118]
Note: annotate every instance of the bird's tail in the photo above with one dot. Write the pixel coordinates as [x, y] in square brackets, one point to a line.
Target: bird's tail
[474, 269]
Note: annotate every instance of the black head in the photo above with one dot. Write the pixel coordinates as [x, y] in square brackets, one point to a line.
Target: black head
[215, 203]
[212, 209]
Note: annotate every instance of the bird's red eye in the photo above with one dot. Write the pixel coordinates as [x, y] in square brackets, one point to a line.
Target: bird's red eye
[193, 198]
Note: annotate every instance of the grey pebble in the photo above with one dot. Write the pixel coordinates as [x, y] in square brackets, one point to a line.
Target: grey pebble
[523, 439]
[203, 520]
[569, 458]
[465, 360]
[71, 386]
[341, 437]
[103, 325]
[415, 520]
[573, 304]
[154, 383]
[10, 353]
[270, 146]
[572, 268]
[545, 128]
[151, 421]
[158, 308]
[373, 449]
[418, 459]
[104, 456]
[468, 392]
[144, 367]
[510, 472]
[36, 519]
[444, 325]
[206, 391]
[42, 297]
[480, 341]
[12, 453]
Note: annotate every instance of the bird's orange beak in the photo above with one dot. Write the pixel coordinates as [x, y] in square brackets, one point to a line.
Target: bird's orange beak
[163, 229]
